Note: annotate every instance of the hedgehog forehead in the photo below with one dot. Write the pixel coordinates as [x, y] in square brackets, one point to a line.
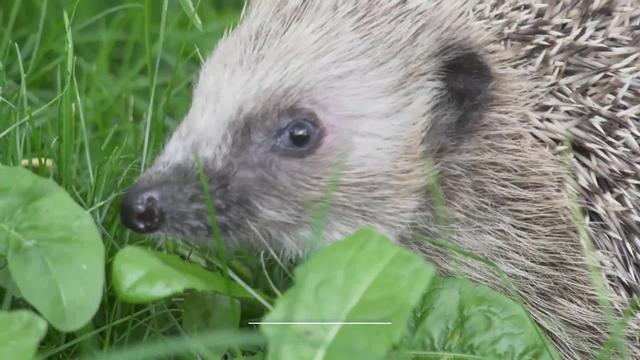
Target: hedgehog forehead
[339, 57]
[239, 85]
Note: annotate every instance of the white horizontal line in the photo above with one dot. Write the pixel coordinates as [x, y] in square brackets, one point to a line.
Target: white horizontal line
[319, 323]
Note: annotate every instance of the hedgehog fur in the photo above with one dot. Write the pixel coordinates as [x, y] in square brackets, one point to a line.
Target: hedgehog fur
[490, 100]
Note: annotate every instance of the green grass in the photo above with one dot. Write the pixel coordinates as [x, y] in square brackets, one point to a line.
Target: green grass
[97, 86]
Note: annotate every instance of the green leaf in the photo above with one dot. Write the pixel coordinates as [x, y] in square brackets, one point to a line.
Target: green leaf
[258, 356]
[190, 10]
[141, 276]
[6, 282]
[364, 278]
[205, 311]
[461, 317]
[20, 334]
[54, 250]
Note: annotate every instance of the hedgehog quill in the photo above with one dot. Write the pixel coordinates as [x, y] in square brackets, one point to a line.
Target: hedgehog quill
[391, 84]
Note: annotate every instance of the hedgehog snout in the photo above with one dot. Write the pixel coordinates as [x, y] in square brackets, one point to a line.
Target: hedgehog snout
[172, 201]
[141, 210]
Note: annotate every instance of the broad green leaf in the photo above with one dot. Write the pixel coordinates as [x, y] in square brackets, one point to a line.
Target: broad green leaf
[207, 311]
[54, 250]
[20, 334]
[6, 282]
[362, 279]
[461, 317]
[258, 356]
[141, 276]
[190, 10]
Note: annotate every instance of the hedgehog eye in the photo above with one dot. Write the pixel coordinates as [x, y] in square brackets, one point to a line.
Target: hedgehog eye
[300, 136]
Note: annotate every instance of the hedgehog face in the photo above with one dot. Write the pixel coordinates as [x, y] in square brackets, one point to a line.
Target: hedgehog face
[293, 101]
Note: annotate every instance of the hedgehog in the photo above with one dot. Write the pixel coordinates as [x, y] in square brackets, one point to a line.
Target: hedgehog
[483, 96]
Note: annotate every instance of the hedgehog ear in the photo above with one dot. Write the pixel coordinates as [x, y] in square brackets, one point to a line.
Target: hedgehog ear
[467, 80]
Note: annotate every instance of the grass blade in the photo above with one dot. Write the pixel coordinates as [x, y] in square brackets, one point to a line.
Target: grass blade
[190, 10]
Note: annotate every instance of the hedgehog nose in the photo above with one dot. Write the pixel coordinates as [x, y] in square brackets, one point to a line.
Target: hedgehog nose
[140, 210]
